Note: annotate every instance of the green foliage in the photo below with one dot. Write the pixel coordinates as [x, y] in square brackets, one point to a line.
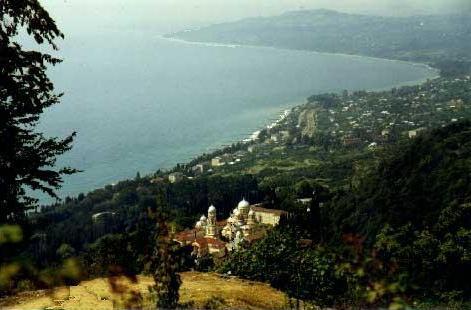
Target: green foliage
[397, 230]
[10, 234]
[20, 273]
[215, 302]
[280, 260]
[27, 157]
[164, 264]
[413, 213]
[205, 263]
[334, 32]
[401, 234]
[65, 251]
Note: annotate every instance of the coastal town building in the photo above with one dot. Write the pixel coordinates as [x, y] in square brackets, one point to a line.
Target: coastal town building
[253, 148]
[157, 180]
[217, 162]
[222, 160]
[385, 132]
[200, 168]
[175, 177]
[413, 133]
[102, 216]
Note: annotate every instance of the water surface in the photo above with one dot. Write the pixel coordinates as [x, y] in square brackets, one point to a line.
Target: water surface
[140, 102]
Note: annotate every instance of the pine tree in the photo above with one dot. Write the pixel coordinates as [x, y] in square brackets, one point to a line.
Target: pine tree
[164, 263]
[27, 157]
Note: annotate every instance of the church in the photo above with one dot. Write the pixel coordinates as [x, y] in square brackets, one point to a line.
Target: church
[245, 223]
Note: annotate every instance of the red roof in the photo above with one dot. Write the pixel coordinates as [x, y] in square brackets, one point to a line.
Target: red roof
[204, 242]
[221, 223]
[186, 235]
[216, 243]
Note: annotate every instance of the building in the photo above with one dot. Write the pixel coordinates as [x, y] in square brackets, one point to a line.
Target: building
[372, 145]
[245, 223]
[385, 132]
[253, 148]
[284, 135]
[304, 201]
[175, 177]
[157, 180]
[211, 228]
[226, 158]
[351, 141]
[413, 133]
[102, 216]
[200, 168]
[216, 162]
[197, 169]
[241, 221]
[204, 246]
[275, 138]
[267, 216]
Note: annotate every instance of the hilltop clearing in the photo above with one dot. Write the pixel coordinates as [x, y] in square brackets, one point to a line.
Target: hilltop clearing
[199, 290]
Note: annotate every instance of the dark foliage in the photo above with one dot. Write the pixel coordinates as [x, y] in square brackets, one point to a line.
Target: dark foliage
[402, 233]
[26, 156]
[414, 211]
[432, 39]
[164, 264]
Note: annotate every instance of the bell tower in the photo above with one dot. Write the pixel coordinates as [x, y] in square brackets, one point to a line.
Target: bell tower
[211, 228]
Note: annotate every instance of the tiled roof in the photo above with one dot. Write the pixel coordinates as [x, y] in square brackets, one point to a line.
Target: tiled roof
[216, 243]
[204, 242]
[221, 223]
[186, 235]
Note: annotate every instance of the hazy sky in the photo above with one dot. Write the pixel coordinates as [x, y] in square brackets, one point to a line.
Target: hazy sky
[169, 15]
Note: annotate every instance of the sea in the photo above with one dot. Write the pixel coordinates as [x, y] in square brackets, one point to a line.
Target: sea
[140, 102]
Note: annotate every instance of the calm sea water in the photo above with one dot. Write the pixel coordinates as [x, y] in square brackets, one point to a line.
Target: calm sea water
[140, 102]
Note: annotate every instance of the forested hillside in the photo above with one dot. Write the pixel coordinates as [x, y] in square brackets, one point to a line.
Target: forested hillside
[402, 234]
[375, 186]
[433, 39]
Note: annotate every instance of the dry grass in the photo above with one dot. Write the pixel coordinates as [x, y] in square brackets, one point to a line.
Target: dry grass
[199, 290]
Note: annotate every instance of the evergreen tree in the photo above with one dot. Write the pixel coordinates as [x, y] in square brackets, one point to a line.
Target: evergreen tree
[27, 157]
[164, 263]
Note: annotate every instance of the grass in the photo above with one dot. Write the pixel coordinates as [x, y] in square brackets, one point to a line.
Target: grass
[198, 290]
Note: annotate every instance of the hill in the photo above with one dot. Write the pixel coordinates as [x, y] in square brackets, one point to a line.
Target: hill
[400, 233]
[420, 38]
[199, 290]
[332, 146]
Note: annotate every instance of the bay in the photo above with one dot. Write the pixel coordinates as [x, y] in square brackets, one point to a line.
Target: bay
[140, 102]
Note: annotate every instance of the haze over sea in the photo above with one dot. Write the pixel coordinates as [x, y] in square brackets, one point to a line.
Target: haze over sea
[140, 102]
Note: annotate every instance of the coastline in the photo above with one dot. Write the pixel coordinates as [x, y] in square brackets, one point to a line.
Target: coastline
[216, 44]
[254, 135]
[273, 118]
[285, 112]
[281, 117]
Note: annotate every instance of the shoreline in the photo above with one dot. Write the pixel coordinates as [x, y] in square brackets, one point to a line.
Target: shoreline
[281, 117]
[270, 121]
[228, 45]
[286, 111]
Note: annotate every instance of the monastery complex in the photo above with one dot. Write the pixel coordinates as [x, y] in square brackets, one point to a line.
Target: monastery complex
[246, 223]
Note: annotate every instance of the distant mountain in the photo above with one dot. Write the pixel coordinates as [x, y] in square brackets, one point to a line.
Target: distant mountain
[424, 38]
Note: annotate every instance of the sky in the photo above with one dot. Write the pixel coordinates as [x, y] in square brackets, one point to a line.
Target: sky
[173, 15]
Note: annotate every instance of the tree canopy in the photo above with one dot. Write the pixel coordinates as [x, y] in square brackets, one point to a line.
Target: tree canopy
[27, 157]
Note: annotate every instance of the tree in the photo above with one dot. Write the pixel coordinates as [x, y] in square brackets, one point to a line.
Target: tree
[27, 157]
[65, 251]
[163, 262]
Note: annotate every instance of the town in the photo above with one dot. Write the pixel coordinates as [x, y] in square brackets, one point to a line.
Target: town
[358, 121]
